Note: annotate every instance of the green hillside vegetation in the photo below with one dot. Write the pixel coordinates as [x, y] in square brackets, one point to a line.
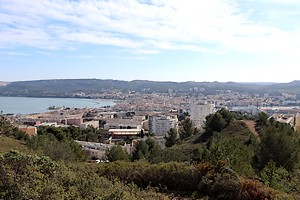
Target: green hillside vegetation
[38, 177]
[11, 138]
[224, 162]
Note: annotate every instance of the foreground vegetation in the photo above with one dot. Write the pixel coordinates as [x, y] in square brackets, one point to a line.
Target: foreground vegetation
[226, 161]
[38, 177]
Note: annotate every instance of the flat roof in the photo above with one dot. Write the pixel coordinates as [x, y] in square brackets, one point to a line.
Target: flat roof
[124, 130]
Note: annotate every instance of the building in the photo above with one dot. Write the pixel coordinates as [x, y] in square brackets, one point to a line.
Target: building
[122, 124]
[160, 125]
[29, 130]
[98, 150]
[245, 109]
[284, 118]
[85, 125]
[118, 134]
[199, 111]
[74, 121]
[95, 150]
[297, 123]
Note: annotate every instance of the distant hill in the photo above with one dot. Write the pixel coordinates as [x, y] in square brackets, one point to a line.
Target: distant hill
[69, 87]
[258, 83]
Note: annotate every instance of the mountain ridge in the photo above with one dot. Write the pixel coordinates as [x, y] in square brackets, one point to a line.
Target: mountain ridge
[69, 87]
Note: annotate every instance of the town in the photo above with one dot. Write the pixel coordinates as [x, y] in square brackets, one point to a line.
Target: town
[139, 114]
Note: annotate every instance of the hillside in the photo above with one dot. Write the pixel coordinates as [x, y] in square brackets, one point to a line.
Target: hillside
[220, 167]
[7, 144]
[186, 149]
[69, 87]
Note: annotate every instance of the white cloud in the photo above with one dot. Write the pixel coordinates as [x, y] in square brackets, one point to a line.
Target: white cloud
[45, 53]
[212, 26]
[83, 57]
[293, 2]
[11, 53]
[145, 51]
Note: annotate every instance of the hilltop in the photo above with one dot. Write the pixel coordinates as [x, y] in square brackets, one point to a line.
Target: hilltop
[215, 164]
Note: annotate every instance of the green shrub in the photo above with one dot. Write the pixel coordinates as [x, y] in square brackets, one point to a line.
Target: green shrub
[34, 177]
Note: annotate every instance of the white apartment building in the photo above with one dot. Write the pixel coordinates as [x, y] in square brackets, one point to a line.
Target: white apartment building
[160, 125]
[199, 111]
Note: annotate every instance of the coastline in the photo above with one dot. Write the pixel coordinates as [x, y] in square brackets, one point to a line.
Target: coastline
[27, 105]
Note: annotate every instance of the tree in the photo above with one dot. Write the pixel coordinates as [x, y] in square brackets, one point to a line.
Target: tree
[172, 138]
[65, 150]
[142, 134]
[141, 151]
[153, 147]
[148, 150]
[27, 177]
[280, 144]
[58, 133]
[9, 130]
[261, 121]
[227, 115]
[117, 153]
[218, 121]
[214, 122]
[187, 129]
[183, 116]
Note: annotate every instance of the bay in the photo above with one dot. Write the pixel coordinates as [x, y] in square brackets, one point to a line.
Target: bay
[27, 105]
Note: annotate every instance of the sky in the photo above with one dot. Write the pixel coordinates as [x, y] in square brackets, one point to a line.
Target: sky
[159, 40]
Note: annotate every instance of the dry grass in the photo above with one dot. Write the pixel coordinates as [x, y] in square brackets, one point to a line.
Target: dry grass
[251, 126]
[7, 144]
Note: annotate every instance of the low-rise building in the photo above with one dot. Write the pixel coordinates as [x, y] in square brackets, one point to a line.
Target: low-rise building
[122, 124]
[29, 130]
[98, 150]
[95, 150]
[85, 125]
[284, 118]
[124, 133]
[74, 121]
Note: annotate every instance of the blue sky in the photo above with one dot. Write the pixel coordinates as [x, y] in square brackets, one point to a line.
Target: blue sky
[161, 40]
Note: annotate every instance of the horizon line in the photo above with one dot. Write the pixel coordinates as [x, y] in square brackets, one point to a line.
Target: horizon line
[241, 82]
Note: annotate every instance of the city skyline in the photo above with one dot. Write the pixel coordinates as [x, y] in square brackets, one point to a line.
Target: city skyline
[219, 40]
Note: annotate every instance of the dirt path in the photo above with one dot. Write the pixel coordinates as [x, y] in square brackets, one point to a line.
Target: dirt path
[251, 126]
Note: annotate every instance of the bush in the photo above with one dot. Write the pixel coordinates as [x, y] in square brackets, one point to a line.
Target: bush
[117, 153]
[66, 150]
[34, 177]
[174, 176]
[280, 144]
